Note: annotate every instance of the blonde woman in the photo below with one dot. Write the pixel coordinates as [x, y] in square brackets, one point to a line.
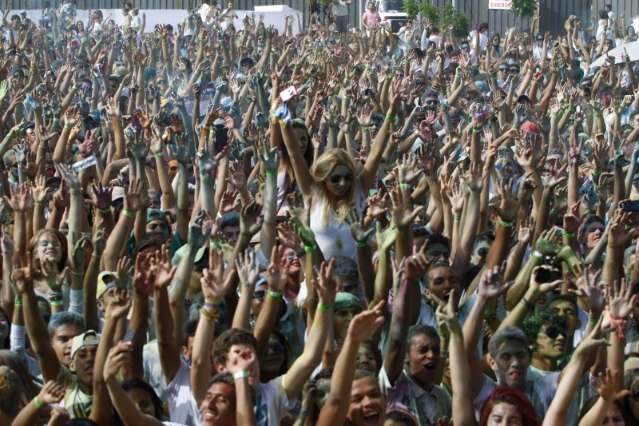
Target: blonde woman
[335, 186]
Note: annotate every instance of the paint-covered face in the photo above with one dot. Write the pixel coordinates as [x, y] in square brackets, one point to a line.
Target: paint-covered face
[511, 363]
[339, 182]
[61, 342]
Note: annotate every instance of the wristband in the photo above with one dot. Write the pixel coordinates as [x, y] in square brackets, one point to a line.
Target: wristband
[274, 294]
[362, 244]
[537, 254]
[54, 296]
[323, 307]
[17, 302]
[105, 210]
[56, 303]
[158, 154]
[391, 117]
[504, 223]
[243, 374]
[208, 313]
[38, 403]
[309, 249]
[476, 129]
[456, 217]
[567, 234]
[593, 320]
[404, 186]
[363, 127]
[128, 213]
[68, 127]
[270, 173]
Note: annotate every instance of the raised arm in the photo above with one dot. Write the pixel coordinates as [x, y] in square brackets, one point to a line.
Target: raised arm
[300, 168]
[362, 327]
[294, 379]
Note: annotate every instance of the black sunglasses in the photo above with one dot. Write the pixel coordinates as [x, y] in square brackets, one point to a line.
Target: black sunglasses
[337, 178]
[553, 332]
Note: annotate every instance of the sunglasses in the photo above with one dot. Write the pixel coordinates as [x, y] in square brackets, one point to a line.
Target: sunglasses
[432, 102]
[552, 332]
[338, 178]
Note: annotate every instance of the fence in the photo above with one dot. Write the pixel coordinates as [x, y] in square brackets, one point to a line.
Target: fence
[553, 13]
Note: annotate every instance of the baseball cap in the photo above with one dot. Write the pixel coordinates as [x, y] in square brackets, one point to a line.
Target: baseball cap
[347, 301]
[87, 339]
[106, 280]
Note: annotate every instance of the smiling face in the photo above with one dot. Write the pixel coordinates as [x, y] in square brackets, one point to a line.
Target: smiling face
[48, 248]
[551, 342]
[218, 406]
[504, 414]
[594, 232]
[339, 182]
[367, 403]
[511, 363]
[424, 356]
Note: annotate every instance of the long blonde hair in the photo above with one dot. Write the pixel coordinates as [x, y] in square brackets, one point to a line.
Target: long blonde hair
[322, 169]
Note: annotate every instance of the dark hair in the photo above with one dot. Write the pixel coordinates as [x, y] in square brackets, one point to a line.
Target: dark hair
[512, 396]
[189, 329]
[65, 318]
[141, 384]
[232, 336]
[222, 378]
[533, 323]
[418, 330]
[438, 239]
[504, 334]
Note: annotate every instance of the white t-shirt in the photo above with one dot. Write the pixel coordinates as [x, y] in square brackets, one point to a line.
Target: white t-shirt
[182, 406]
[333, 235]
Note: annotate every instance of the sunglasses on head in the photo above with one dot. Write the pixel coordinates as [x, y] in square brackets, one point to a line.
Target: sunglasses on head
[337, 178]
[553, 332]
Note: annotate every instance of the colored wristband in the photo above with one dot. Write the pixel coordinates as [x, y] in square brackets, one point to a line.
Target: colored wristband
[274, 294]
[504, 223]
[391, 117]
[243, 374]
[158, 154]
[56, 303]
[362, 244]
[68, 127]
[567, 234]
[404, 186]
[38, 403]
[309, 249]
[17, 301]
[106, 210]
[270, 173]
[537, 254]
[324, 307]
[476, 129]
[128, 213]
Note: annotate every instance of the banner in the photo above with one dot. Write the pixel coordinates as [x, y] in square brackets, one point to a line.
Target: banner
[500, 4]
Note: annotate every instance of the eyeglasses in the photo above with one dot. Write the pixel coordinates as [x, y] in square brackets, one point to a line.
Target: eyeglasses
[338, 178]
[552, 332]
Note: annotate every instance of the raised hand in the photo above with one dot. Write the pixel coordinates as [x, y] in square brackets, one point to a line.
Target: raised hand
[21, 200]
[277, 275]
[365, 324]
[549, 242]
[538, 287]
[123, 270]
[249, 220]
[143, 275]
[491, 285]
[247, 269]
[161, 269]
[607, 386]
[304, 232]
[69, 176]
[136, 198]
[327, 286]
[212, 281]
[100, 196]
[117, 358]
[51, 393]
[446, 314]
[620, 300]
[593, 290]
[361, 233]
[199, 231]
[402, 217]
[507, 209]
[40, 190]
[119, 305]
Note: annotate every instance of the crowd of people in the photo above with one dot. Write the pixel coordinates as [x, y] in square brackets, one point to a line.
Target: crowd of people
[204, 225]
